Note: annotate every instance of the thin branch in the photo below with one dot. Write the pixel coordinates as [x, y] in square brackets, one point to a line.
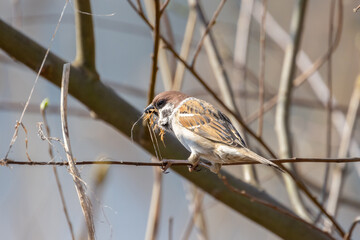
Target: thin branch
[329, 108]
[209, 26]
[163, 62]
[338, 176]
[282, 120]
[80, 189]
[353, 225]
[43, 108]
[152, 226]
[195, 197]
[175, 162]
[85, 39]
[262, 69]
[163, 7]
[357, 8]
[185, 47]
[241, 54]
[154, 68]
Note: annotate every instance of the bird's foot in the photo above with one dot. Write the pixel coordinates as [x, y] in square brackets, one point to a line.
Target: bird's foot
[168, 163]
[194, 168]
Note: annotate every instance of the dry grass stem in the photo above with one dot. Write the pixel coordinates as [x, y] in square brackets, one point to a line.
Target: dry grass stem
[338, 174]
[79, 185]
[262, 70]
[152, 226]
[185, 47]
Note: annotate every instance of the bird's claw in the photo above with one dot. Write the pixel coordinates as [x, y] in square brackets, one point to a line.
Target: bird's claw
[194, 168]
[166, 165]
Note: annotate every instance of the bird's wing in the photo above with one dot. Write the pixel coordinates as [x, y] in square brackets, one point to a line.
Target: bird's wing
[205, 120]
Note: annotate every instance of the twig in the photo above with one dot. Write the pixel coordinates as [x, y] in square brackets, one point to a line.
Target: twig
[356, 9]
[262, 69]
[282, 121]
[195, 197]
[85, 39]
[163, 7]
[169, 33]
[353, 225]
[338, 176]
[185, 47]
[174, 163]
[163, 62]
[329, 108]
[209, 26]
[26, 140]
[154, 68]
[43, 108]
[155, 205]
[241, 54]
[80, 189]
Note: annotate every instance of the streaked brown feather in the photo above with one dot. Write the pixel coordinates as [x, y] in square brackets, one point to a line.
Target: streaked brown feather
[208, 122]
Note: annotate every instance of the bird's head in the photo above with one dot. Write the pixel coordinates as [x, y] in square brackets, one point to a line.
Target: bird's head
[163, 106]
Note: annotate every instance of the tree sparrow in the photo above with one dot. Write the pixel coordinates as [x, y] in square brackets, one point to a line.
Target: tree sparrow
[202, 129]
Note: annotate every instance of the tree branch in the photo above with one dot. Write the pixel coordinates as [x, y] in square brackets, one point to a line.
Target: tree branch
[282, 120]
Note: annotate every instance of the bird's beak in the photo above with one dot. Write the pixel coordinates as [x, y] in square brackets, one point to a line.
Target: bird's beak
[149, 109]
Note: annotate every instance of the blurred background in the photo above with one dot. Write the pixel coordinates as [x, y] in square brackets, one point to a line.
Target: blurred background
[30, 205]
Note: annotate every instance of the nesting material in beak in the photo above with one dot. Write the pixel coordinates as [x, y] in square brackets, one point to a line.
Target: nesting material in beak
[150, 114]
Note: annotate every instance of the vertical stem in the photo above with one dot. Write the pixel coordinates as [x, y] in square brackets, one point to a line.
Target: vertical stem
[329, 107]
[262, 69]
[85, 40]
[155, 52]
[282, 121]
[79, 186]
[155, 205]
[165, 69]
[57, 179]
[185, 47]
[241, 53]
[338, 176]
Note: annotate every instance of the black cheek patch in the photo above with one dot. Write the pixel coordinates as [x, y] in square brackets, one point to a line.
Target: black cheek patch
[166, 113]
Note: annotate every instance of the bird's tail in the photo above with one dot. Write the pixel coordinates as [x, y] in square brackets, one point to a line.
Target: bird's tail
[250, 155]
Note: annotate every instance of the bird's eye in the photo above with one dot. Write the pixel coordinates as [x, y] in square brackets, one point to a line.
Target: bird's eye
[161, 103]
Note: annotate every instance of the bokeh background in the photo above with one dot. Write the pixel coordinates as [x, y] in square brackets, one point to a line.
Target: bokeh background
[30, 206]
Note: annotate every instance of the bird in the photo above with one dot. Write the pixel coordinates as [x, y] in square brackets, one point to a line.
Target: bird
[203, 130]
